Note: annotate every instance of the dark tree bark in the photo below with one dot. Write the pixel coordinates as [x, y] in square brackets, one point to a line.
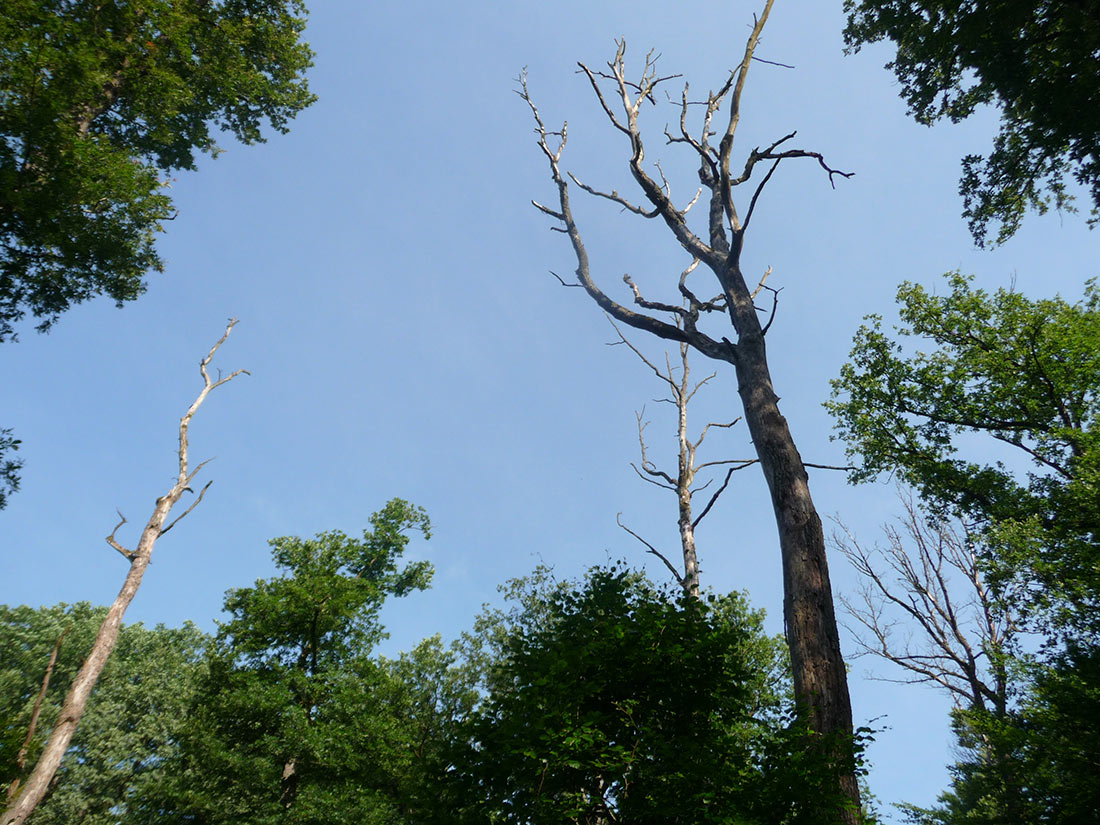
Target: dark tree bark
[820, 680]
[81, 689]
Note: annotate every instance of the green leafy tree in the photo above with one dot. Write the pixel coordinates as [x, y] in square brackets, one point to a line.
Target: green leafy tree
[612, 701]
[1035, 61]
[103, 99]
[1047, 753]
[294, 722]
[1023, 375]
[133, 721]
[1020, 373]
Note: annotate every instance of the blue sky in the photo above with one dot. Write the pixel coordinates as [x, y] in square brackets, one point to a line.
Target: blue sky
[405, 338]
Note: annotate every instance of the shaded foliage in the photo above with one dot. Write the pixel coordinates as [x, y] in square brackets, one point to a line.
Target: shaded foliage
[614, 701]
[1035, 61]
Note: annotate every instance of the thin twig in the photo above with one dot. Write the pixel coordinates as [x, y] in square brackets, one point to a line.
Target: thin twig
[652, 549]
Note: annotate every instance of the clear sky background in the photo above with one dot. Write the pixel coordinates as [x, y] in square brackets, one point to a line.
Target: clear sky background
[405, 337]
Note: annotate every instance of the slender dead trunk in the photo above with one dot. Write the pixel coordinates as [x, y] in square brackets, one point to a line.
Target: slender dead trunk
[682, 392]
[81, 689]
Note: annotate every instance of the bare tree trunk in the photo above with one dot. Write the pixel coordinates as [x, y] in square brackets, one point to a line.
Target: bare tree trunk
[820, 678]
[77, 698]
[686, 469]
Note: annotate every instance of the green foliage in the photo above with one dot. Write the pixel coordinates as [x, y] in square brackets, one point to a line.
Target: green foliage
[1021, 373]
[9, 466]
[133, 721]
[1036, 764]
[296, 723]
[1035, 61]
[615, 701]
[100, 101]
[1003, 372]
[324, 608]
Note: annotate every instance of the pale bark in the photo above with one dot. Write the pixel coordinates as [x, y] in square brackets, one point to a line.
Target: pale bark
[820, 680]
[77, 698]
[683, 484]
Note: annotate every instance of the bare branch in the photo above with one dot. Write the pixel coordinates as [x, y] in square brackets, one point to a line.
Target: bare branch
[564, 214]
[773, 63]
[563, 283]
[653, 550]
[775, 306]
[611, 196]
[128, 554]
[657, 305]
[641, 356]
[726, 146]
[960, 635]
[763, 280]
[208, 385]
[756, 194]
[194, 504]
[703, 434]
[802, 153]
[714, 498]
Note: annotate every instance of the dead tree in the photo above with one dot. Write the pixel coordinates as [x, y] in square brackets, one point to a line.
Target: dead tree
[820, 680]
[75, 700]
[927, 580]
[683, 485]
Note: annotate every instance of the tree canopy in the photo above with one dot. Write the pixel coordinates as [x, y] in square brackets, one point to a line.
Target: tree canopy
[1019, 372]
[1035, 61]
[133, 723]
[103, 99]
[611, 700]
[293, 722]
[1002, 371]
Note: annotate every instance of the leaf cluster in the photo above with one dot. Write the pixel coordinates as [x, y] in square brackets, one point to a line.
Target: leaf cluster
[100, 100]
[1035, 61]
[1015, 372]
[626, 703]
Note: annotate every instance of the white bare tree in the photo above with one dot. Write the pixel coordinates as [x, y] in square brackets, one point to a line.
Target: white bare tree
[34, 789]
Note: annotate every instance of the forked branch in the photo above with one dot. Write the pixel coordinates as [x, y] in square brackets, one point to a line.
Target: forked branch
[927, 578]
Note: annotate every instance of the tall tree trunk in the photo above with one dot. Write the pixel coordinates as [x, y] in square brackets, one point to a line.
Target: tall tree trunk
[820, 678]
[809, 617]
